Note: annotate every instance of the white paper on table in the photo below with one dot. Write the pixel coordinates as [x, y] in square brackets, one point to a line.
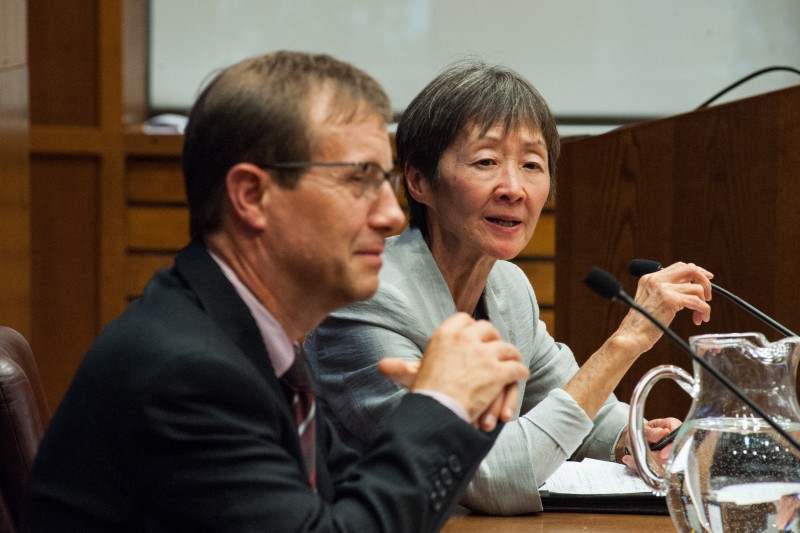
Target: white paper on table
[594, 477]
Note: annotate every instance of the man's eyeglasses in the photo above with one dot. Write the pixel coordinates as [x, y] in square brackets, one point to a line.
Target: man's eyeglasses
[370, 178]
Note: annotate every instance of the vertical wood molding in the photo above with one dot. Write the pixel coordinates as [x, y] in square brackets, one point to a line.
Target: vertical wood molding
[123, 59]
[15, 241]
[112, 193]
[135, 35]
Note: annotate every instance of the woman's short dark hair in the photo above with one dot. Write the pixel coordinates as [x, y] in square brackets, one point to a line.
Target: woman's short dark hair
[468, 94]
[257, 111]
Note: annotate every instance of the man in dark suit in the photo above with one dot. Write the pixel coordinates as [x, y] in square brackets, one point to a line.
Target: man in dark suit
[189, 412]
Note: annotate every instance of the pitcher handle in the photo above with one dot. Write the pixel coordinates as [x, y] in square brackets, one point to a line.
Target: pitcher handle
[636, 419]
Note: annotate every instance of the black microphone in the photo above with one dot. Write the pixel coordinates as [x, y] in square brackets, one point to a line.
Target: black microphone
[640, 267]
[608, 287]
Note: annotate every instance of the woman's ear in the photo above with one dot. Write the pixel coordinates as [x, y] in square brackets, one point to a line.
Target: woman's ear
[248, 188]
[418, 187]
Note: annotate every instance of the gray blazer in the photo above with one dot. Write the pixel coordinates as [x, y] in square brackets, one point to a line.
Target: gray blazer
[412, 300]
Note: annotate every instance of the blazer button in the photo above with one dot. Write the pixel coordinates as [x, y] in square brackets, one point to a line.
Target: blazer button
[440, 488]
[435, 503]
[447, 477]
[455, 464]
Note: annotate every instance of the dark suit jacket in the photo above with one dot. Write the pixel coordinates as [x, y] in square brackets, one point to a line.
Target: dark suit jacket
[175, 421]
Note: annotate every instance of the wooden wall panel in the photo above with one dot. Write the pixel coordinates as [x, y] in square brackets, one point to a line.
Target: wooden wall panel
[155, 180]
[64, 56]
[157, 218]
[543, 243]
[14, 170]
[65, 263]
[164, 229]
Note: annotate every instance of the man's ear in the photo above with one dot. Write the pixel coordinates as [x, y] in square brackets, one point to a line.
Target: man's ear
[248, 188]
[418, 187]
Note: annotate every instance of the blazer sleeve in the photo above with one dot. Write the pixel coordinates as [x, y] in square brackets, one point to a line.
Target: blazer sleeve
[550, 428]
[210, 435]
[546, 433]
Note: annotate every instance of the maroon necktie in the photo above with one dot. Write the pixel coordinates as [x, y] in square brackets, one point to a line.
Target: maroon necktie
[304, 407]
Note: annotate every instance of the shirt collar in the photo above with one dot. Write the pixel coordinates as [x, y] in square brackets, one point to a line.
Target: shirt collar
[280, 349]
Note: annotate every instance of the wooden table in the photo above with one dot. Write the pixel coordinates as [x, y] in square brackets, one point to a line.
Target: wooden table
[560, 523]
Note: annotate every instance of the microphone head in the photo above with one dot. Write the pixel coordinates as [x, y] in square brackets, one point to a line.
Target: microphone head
[640, 267]
[603, 283]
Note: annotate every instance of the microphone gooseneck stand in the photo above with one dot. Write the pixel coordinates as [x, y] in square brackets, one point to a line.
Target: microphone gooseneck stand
[608, 287]
[640, 267]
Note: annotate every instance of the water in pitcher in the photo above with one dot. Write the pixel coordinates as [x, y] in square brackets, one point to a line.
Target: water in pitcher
[732, 474]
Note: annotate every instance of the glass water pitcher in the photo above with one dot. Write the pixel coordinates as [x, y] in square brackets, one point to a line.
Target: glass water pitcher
[729, 470]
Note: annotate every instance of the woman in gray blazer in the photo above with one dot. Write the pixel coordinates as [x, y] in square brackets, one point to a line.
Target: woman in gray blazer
[478, 147]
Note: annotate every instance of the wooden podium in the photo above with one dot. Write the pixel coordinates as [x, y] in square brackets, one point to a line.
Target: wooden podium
[719, 187]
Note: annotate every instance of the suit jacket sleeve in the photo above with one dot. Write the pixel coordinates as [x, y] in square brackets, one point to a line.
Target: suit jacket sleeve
[207, 437]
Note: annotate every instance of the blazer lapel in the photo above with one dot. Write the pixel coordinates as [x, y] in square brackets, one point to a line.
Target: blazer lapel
[490, 299]
[416, 259]
[220, 301]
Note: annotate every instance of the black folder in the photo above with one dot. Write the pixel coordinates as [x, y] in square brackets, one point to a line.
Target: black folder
[638, 503]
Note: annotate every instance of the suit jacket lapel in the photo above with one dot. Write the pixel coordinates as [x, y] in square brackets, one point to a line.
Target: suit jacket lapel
[220, 301]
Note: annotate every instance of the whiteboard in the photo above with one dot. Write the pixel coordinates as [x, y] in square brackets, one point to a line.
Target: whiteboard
[599, 60]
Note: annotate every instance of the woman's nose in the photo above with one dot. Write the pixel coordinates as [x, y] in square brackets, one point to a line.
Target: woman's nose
[510, 183]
